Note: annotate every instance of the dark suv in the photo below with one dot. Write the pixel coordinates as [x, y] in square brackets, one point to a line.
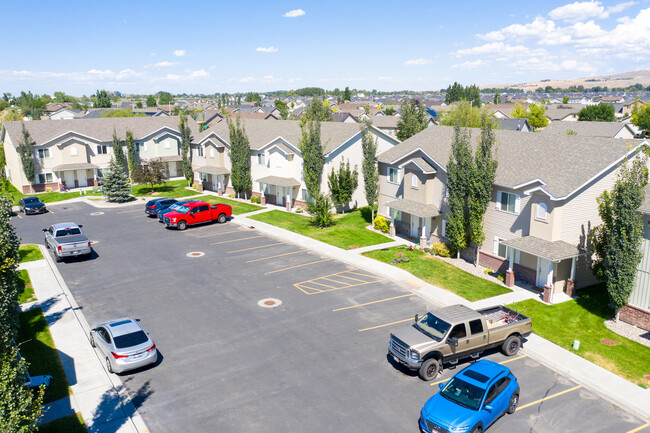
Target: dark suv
[32, 205]
[157, 204]
[162, 212]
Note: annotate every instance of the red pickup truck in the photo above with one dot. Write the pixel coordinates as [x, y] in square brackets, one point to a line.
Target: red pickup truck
[197, 212]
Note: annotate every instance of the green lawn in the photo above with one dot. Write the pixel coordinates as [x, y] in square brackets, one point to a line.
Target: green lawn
[238, 207]
[47, 197]
[37, 347]
[25, 286]
[68, 424]
[583, 319]
[29, 253]
[441, 274]
[349, 230]
[173, 188]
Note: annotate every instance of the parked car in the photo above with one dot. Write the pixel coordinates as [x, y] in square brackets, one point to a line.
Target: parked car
[154, 206]
[472, 400]
[31, 205]
[67, 240]
[451, 333]
[124, 344]
[198, 212]
[163, 212]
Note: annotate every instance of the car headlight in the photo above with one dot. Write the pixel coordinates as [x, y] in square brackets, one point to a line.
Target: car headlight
[459, 429]
[415, 355]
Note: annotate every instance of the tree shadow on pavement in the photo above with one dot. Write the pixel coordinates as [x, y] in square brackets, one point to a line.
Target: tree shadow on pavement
[110, 408]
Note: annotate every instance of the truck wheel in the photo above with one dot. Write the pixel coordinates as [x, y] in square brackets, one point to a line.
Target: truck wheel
[57, 258]
[182, 225]
[511, 346]
[92, 340]
[514, 402]
[429, 369]
[222, 218]
[46, 244]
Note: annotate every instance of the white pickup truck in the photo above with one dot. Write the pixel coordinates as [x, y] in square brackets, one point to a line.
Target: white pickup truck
[67, 240]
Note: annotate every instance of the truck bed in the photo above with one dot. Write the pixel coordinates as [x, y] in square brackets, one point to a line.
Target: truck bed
[498, 316]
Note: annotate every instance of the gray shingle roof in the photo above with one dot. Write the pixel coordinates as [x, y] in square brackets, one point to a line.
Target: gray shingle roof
[76, 166]
[211, 170]
[553, 251]
[414, 208]
[279, 181]
[514, 124]
[588, 129]
[562, 162]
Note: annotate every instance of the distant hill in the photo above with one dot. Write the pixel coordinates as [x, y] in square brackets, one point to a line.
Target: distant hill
[613, 80]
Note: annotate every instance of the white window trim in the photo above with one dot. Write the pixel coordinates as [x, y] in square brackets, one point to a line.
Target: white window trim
[43, 151]
[517, 202]
[414, 181]
[443, 229]
[74, 151]
[541, 206]
[397, 175]
[497, 242]
[261, 158]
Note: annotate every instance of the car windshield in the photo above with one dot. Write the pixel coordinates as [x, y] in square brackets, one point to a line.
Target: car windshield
[433, 326]
[183, 209]
[463, 393]
[68, 231]
[32, 200]
[130, 340]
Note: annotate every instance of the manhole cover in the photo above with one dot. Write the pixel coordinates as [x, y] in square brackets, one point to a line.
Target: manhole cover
[97, 213]
[608, 342]
[195, 254]
[269, 302]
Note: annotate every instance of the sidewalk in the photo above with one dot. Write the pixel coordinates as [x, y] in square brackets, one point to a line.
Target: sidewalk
[608, 385]
[100, 397]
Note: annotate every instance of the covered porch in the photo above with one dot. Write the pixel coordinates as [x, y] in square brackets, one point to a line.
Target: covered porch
[174, 164]
[555, 264]
[212, 178]
[281, 191]
[412, 218]
[77, 175]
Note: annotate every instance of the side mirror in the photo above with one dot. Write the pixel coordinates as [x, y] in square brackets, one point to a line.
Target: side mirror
[453, 341]
[80, 226]
[44, 230]
[441, 385]
[488, 408]
[416, 317]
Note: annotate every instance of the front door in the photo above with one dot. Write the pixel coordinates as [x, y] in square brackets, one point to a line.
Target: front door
[83, 179]
[415, 225]
[68, 178]
[544, 272]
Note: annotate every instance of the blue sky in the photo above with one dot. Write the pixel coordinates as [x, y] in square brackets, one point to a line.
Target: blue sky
[215, 46]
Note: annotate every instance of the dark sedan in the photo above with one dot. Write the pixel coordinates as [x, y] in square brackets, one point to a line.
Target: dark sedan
[31, 205]
[154, 206]
[162, 212]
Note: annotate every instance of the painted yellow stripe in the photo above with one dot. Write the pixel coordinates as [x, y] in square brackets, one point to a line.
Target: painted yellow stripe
[137, 216]
[307, 287]
[549, 397]
[129, 211]
[51, 211]
[504, 362]
[236, 240]
[440, 381]
[217, 234]
[299, 266]
[639, 428]
[323, 284]
[387, 324]
[255, 248]
[18, 215]
[360, 274]
[346, 287]
[272, 257]
[374, 302]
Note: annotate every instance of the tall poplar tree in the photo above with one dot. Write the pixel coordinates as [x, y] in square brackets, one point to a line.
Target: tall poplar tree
[312, 155]
[27, 155]
[369, 168]
[186, 139]
[459, 176]
[617, 241]
[118, 151]
[240, 158]
[342, 184]
[131, 158]
[413, 120]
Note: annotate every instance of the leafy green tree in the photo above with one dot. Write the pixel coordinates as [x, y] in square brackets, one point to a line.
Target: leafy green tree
[3, 158]
[466, 115]
[103, 100]
[32, 105]
[519, 112]
[617, 241]
[565, 99]
[284, 111]
[389, 111]
[320, 209]
[459, 178]
[316, 110]
[240, 158]
[641, 117]
[138, 104]
[597, 113]
[342, 184]
[369, 168]
[131, 157]
[9, 260]
[120, 112]
[118, 151]
[413, 120]
[312, 155]
[455, 92]
[152, 172]
[347, 94]
[186, 139]
[497, 98]
[115, 183]
[535, 113]
[253, 97]
[151, 101]
[164, 98]
[27, 155]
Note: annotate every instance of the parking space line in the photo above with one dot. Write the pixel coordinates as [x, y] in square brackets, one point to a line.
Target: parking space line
[350, 278]
[137, 216]
[298, 266]
[217, 234]
[302, 285]
[639, 428]
[387, 324]
[50, 210]
[205, 226]
[361, 275]
[325, 285]
[272, 257]
[255, 248]
[503, 362]
[236, 240]
[549, 397]
[310, 288]
[18, 215]
[128, 211]
[329, 278]
[374, 302]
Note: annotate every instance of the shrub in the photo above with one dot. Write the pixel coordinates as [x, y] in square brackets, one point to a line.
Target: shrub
[231, 195]
[298, 210]
[320, 209]
[441, 249]
[381, 224]
[488, 271]
[256, 199]
[48, 189]
[501, 277]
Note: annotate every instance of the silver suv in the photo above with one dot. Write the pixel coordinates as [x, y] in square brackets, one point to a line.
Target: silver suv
[124, 344]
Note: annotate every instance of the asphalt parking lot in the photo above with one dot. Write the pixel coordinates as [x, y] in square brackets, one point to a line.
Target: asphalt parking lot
[317, 362]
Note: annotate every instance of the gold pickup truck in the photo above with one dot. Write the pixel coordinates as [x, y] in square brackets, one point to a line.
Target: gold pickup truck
[446, 335]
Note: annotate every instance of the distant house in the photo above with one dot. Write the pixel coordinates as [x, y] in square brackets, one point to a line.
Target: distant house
[344, 116]
[64, 114]
[563, 112]
[515, 125]
[592, 129]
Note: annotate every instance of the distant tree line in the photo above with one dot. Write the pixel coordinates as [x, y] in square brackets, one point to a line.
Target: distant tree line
[457, 92]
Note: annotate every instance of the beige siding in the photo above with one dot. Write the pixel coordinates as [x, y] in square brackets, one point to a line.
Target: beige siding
[14, 167]
[503, 224]
[640, 296]
[540, 227]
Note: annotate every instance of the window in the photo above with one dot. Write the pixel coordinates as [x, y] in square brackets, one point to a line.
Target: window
[393, 175]
[508, 202]
[443, 229]
[43, 153]
[261, 159]
[45, 178]
[144, 147]
[395, 214]
[102, 149]
[305, 195]
[74, 151]
[414, 181]
[446, 192]
[100, 172]
[168, 145]
[503, 251]
[476, 326]
[199, 151]
[211, 153]
[458, 331]
[496, 389]
[541, 211]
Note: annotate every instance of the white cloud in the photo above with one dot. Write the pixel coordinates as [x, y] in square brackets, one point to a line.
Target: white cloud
[201, 73]
[539, 28]
[294, 13]
[470, 65]
[270, 49]
[246, 80]
[504, 50]
[620, 7]
[419, 61]
[180, 53]
[165, 64]
[578, 11]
